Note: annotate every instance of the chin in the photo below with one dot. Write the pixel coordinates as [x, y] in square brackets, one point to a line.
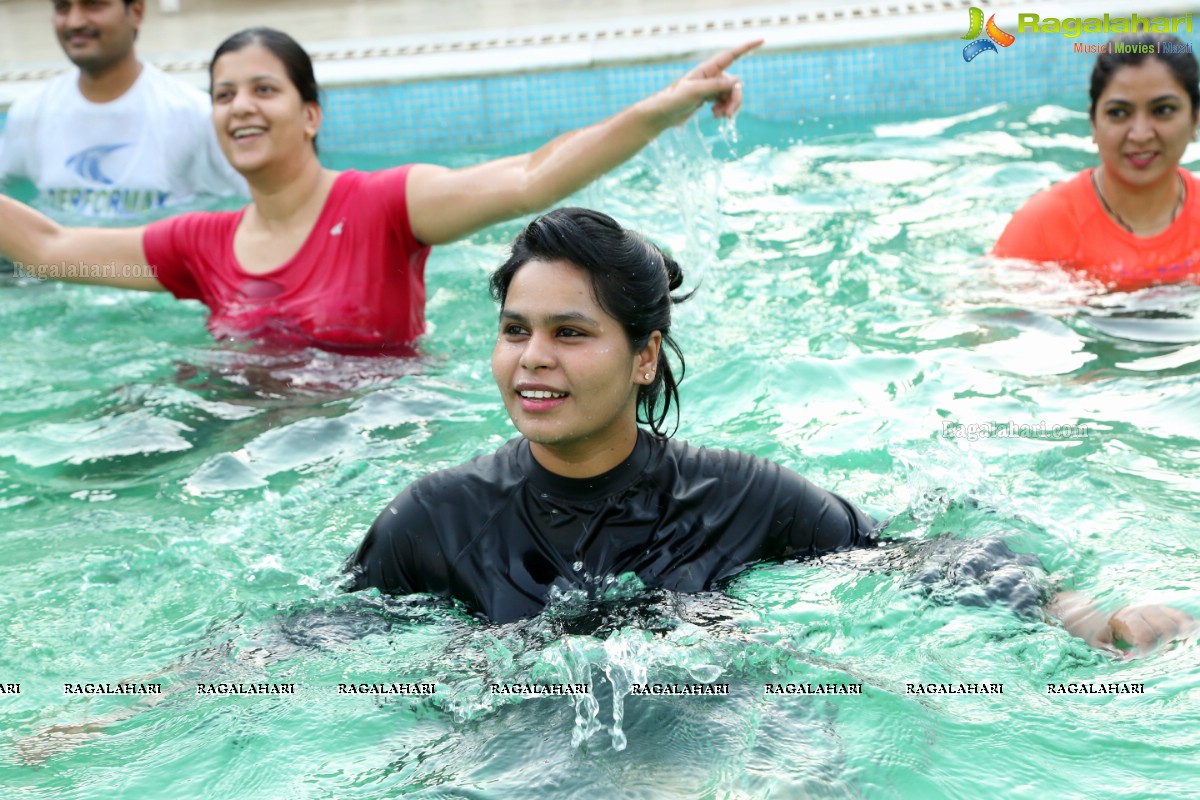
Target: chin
[84, 62]
[540, 436]
[246, 168]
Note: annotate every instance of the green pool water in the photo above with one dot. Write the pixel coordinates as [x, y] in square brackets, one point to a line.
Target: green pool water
[175, 510]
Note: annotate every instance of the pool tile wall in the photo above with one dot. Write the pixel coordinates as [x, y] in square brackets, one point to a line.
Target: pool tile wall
[892, 81]
[885, 81]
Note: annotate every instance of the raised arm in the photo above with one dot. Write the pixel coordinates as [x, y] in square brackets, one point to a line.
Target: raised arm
[41, 247]
[446, 204]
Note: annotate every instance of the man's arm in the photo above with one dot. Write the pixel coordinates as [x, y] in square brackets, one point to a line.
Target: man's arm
[446, 204]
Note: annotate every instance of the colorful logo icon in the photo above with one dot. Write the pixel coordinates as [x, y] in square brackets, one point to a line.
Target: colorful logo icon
[995, 36]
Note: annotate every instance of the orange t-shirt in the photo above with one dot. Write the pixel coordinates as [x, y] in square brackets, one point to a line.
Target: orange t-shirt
[1066, 224]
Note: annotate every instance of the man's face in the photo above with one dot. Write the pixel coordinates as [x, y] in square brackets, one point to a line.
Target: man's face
[97, 34]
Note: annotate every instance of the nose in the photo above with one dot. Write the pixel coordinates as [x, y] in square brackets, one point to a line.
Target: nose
[242, 102]
[1142, 127]
[538, 352]
[73, 17]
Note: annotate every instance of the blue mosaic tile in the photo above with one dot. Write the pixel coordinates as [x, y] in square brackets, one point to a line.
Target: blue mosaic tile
[890, 81]
[903, 80]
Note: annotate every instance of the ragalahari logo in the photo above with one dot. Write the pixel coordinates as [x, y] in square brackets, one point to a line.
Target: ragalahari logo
[994, 37]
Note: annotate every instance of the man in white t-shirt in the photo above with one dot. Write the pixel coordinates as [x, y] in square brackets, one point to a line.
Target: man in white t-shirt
[116, 138]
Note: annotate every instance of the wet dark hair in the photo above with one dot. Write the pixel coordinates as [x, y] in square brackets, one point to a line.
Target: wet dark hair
[1180, 61]
[632, 280]
[294, 58]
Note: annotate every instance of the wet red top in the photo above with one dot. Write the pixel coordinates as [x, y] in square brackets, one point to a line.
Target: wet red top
[357, 283]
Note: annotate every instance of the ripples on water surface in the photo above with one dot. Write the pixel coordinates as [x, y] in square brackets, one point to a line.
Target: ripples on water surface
[176, 508]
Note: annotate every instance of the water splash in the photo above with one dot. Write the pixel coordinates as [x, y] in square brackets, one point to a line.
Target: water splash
[728, 131]
[615, 635]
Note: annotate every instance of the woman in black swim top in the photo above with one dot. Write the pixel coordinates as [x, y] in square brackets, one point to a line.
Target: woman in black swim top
[584, 493]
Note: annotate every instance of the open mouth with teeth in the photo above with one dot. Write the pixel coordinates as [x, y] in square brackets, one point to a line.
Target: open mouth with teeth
[540, 399]
[243, 133]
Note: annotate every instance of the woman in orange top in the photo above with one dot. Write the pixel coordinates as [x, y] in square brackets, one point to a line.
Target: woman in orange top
[1133, 221]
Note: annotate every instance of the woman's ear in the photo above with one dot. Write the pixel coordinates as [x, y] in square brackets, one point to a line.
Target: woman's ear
[645, 368]
[312, 120]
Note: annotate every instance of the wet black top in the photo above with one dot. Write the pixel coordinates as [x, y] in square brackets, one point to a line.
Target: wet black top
[499, 531]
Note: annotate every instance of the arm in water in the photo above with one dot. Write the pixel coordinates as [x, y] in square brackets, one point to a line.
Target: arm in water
[985, 571]
[1131, 631]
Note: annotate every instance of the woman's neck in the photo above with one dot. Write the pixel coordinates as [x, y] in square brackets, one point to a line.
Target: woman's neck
[281, 199]
[1142, 210]
[586, 459]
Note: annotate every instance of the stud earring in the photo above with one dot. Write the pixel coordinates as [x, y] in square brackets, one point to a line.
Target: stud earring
[649, 375]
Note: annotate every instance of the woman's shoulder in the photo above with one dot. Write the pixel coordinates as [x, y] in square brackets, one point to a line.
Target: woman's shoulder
[1063, 197]
[195, 228]
[204, 226]
[388, 179]
[499, 471]
[716, 460]
[1040, 227]
[380, 192]
[1189, 181]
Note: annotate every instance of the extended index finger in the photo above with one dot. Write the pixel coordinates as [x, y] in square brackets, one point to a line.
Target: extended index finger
[723, 59]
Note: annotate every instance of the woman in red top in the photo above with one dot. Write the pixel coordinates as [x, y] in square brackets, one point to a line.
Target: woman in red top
[1134, 221]
[328, 259]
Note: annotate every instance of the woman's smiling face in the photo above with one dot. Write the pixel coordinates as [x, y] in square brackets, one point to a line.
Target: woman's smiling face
[565, 368]
[1142, 124]
[258, 112]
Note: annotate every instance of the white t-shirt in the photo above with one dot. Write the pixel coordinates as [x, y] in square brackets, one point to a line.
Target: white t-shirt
[151, 148]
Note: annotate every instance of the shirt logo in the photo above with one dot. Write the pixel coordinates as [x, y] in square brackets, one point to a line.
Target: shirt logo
[336, 230]
[86, 163]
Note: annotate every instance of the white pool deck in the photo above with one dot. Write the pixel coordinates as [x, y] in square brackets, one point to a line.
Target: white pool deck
[357, 41]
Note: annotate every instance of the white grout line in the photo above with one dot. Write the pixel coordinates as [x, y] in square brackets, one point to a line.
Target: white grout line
[568, 45]
[793, 26]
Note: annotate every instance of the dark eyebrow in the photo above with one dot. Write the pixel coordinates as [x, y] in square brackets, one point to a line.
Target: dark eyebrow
[255, 79]
[553, 319]
[1118, 101]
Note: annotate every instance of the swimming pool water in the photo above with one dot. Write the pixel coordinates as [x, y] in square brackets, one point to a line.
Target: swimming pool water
[176, 510]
